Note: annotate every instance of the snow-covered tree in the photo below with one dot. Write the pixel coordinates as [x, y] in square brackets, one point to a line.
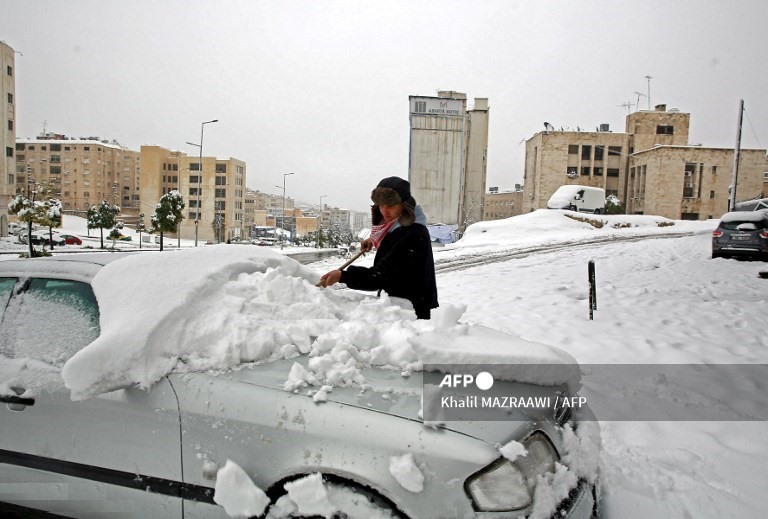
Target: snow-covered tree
[168, 214]
[40, 209]
[613, 205]
[103, 216]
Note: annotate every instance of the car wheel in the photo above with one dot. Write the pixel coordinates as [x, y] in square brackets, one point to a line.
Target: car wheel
[572, 208]
[349, 499]
[598, 211]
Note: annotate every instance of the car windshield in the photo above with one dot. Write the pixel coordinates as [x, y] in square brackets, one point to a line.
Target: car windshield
[49, 319]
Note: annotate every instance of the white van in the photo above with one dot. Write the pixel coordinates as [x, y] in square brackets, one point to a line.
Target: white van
[573, 197]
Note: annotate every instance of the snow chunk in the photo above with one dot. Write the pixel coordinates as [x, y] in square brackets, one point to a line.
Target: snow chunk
[235, 491]
[406, 472]
[513, 450]
[310, 496]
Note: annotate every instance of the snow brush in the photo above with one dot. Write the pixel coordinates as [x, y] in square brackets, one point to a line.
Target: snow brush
[345, 265]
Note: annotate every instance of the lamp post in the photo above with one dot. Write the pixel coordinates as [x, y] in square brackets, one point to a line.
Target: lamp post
[200, 174]
[320, 221]
[282, 220]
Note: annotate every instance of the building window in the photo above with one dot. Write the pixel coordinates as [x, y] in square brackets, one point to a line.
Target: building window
[572, 172]
[585, 171]
[9, 70]
[55, 147]
[221, 168]
[586, 152]
[8, 151]
[221, 181]
[420, 107]
[55, 170]
[599, 152]
[10, 99]
[192, 191]
[10, 125]
[665, 130]
[599, 171]
[221, 193]
[714, 170]
[614, 150]
[194, 166]
[194, 179]
[86, 148]
[573, 149]
[193, 203]
[613, 172]
[711, 194]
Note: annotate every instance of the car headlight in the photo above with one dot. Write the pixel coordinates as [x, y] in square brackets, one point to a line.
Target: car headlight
[509, 485]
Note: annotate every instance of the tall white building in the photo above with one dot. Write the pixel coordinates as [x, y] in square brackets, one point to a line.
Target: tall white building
[448, 157]
[8, 131]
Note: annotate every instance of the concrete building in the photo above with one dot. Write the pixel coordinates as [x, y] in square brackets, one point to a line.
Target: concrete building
[214, 191]
[85, 171]
[8, 131]
[691, 182]
[448, 157]
[650, 167]
[501, 205]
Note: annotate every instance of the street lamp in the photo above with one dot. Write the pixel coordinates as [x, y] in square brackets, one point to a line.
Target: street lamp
[200, 174]
[282, 220]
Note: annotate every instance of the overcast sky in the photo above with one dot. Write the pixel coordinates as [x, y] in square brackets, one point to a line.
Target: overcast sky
[320, 88]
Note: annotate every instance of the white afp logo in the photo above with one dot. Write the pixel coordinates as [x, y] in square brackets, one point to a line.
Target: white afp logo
[483, 380]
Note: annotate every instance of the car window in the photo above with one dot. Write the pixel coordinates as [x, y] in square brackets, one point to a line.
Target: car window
[737, 225]
[49, 320]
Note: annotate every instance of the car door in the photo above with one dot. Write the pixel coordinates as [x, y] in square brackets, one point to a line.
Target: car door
[115, 454]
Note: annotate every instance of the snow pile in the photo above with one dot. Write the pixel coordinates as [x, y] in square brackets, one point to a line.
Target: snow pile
[547, 226]
[235, 491]
[407, 473]
[513, 450]
[219, 307]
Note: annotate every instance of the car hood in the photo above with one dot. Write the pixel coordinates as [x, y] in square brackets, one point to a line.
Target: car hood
[387, 391]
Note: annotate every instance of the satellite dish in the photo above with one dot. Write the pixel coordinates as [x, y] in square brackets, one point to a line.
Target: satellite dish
[548, 127]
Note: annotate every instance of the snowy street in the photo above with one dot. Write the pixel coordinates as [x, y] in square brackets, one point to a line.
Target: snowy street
[660, 301]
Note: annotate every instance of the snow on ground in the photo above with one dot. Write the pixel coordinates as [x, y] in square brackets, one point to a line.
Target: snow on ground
[659, 301]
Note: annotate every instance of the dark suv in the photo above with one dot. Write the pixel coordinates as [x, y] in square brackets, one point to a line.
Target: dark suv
[742, 234]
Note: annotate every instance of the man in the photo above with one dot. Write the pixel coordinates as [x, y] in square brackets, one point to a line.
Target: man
[403, 266]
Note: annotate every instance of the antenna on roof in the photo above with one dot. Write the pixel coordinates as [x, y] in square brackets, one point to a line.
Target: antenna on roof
[548, 127]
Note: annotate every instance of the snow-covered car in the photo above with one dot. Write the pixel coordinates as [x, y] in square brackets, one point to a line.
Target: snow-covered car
[741, 234]
[42, 237]
[221, 381]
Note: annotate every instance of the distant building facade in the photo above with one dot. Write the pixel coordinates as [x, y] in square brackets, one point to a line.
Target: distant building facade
[84, 171]
[8, 131]
[448, 157]
[213, 191]
[502, 204]
[650, 167]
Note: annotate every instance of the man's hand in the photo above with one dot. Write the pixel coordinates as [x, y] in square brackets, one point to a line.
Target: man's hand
[330, 278]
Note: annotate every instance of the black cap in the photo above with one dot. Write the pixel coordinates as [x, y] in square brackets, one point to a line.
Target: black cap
[400, 185]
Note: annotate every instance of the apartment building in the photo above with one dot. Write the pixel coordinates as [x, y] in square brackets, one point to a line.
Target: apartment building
[448, 157]
[213, 191]
[84, 171]
[502, 204]
[8, 131]
[650, 167]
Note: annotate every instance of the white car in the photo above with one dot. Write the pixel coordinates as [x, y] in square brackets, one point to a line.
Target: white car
[155, 374]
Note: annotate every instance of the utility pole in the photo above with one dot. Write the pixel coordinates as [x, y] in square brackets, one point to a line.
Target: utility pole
[736, 153]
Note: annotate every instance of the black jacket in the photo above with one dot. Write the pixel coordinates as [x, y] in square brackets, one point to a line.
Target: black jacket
[403, 267]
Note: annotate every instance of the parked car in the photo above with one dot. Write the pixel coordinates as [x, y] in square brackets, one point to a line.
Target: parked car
[71, 239]
[573, 197]
[123, 447]
[741, 234]
[43, 238]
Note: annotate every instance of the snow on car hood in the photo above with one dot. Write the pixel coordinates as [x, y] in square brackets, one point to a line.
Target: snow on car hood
[218, 307]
